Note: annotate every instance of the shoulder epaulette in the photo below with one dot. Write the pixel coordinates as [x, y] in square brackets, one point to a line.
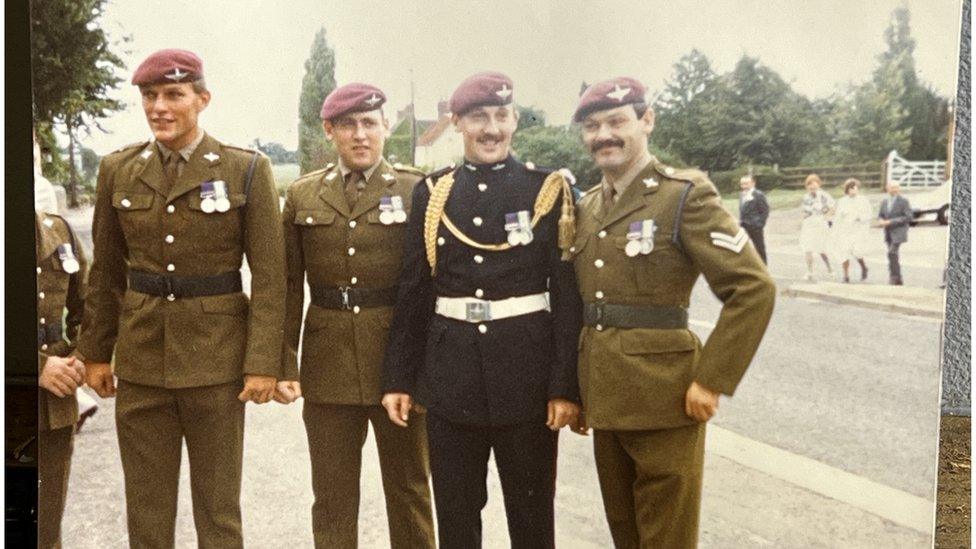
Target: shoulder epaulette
[686, 174]
[239, 148]
[409, 169]
[312, 174]
[437, 174]
[139, 144]
[538, 169]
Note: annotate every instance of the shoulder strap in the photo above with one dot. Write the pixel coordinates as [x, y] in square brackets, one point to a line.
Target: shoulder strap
[250, 177]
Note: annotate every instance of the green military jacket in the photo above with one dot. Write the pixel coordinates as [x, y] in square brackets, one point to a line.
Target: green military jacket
[341, 350]
[637, 378]
[143, 224]
[60, 305]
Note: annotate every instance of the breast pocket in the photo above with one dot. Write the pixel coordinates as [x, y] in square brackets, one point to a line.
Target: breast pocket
[647, 269]
[133, 210]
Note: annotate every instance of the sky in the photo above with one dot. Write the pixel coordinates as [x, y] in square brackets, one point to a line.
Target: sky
[254, 51]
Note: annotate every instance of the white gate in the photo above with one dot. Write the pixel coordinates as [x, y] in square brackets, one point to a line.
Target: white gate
[914, 174]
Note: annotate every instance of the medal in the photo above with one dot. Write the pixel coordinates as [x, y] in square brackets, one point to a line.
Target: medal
[387, 217]
[207, 193]
[68, 261]
[519, 228]
[399, 214]
[640, 238]
[647, 236]
[525, 227]
[221, 203]
[632, 248]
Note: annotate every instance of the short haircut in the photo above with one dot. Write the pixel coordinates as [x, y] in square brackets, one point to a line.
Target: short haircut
[851, 183]
[640, 108]
[748, 177]
[200, 85]
[813, 178]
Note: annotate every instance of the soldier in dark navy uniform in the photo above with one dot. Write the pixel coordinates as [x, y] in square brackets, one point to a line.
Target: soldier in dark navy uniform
[485, 327]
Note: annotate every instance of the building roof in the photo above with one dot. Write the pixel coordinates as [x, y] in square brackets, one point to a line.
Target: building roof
[434, 131]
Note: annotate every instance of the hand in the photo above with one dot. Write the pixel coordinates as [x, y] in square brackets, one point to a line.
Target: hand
[579, 426]
[287, 392]
[257, 389]
[99, 377]
[562, 412]
[62, 376]
[398, 407]
[701, 403]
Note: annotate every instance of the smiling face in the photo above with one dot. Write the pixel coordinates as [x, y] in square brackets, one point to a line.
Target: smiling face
[616, 138]
[172, 111]
[359, 138]
[487, 132]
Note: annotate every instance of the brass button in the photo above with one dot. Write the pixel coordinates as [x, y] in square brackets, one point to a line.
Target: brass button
[352, 251]
[170, 239]
[440, 240]
[170, 209]
[482, 328]
[353, 280]
[479, 293]
[309, 220]
[598, 263]
[355, 310]
[599, 295]
[602, 234]
[126, 203]
[477, 221]
[171, 297]
[478, 259]
[171, 267]
[352, 224]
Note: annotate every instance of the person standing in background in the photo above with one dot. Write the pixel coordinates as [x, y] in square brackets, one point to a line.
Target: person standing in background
[852, 223]
[817, 207]
[895, 215]
[753, 213]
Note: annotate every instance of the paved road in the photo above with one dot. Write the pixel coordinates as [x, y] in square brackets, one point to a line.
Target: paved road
[854, 389]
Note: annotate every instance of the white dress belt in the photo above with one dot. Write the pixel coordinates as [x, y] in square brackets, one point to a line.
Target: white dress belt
[470, 309]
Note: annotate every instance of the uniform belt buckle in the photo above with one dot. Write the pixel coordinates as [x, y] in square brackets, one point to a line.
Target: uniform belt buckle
[599, 310]
[478, 311]
[344, 303]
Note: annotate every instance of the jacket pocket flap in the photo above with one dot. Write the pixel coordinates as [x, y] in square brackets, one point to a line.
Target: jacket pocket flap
[315, 217]
[124, 200]
[650, 341]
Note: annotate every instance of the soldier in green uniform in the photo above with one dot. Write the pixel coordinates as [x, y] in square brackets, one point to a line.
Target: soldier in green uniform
[61, 272]
[644, 235]
[174, 219]
[344, 228]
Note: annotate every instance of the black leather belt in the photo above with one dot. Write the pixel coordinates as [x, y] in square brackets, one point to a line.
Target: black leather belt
[171, 287]
[49, 333]
[347, 297]
[627, 316]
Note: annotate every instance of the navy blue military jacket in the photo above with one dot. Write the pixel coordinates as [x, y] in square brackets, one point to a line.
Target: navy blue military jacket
[505, 374]
[755, 212]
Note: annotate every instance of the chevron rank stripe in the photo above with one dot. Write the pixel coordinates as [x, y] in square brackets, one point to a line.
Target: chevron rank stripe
[733, 243]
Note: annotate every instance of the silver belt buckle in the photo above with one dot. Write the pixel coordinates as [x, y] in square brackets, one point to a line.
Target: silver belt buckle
[477, 312]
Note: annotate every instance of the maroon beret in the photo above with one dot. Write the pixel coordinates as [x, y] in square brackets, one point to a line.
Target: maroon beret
[169, 67]
[609, 94]
[482, 89]
[354, 97]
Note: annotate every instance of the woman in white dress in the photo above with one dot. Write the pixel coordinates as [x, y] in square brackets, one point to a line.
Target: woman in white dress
[852, 226]
[817, 207]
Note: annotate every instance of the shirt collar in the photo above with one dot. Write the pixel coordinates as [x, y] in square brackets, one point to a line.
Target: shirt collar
[620, 184]
[367, 173]
[186, 152]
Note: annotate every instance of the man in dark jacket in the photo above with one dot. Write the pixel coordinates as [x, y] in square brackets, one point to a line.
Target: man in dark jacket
[895, 215]
[753, 213]
[486, 323]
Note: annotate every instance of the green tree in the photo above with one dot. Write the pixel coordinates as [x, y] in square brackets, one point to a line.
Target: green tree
[530, 117]
[314, 150]
[894, 111]
[679, 109]
[557, 147]
[276, 152]
[747, 116]
[73, 74]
